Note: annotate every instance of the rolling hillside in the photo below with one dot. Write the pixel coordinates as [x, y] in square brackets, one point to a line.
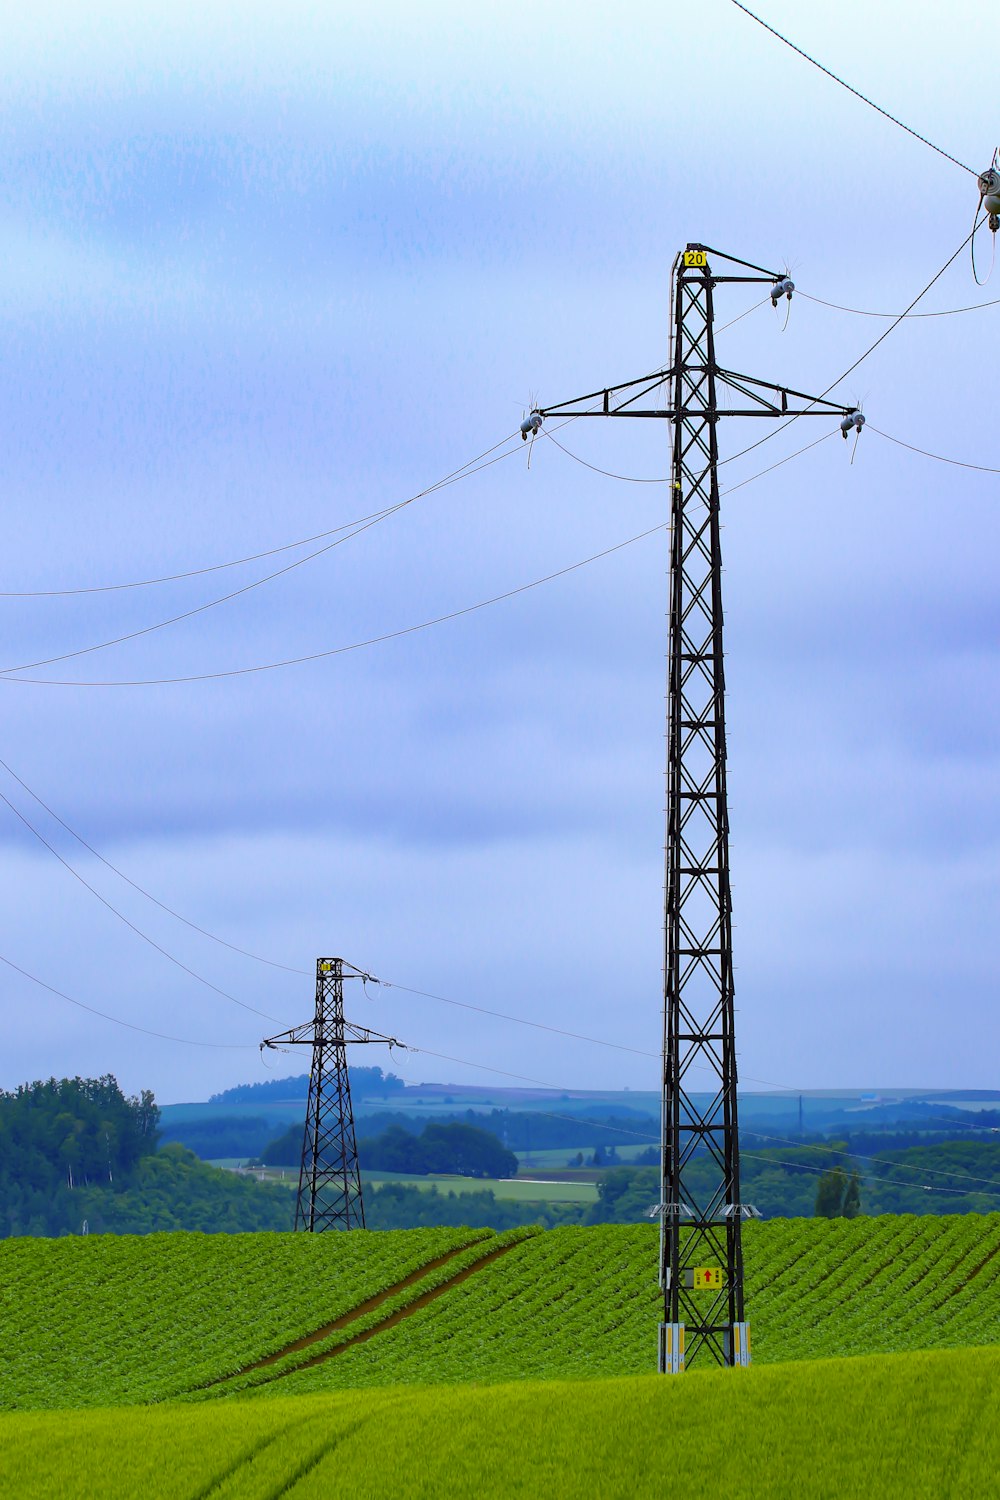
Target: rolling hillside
[117, 1320]
[913, 1425]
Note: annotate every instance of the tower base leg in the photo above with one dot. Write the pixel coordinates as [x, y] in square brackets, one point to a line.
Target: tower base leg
[671, 1357]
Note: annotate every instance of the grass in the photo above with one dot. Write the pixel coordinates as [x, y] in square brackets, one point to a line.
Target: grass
[515, 1188]
[916, 1425]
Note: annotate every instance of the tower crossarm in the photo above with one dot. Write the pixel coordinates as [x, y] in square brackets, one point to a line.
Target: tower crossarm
[618, 400]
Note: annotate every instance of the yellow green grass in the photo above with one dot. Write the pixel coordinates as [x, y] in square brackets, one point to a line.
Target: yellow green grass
[916, 1425]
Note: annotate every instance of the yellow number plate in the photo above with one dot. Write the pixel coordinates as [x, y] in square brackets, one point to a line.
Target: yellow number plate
[695, 258]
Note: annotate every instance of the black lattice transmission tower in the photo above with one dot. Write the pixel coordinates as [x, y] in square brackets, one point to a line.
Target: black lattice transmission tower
[700, 1209]
[330, 1193]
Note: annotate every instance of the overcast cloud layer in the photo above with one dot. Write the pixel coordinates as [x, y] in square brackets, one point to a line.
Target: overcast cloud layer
[270, 270]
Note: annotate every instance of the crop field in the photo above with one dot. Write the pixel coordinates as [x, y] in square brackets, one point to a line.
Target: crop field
[122, 1320]
[914, 1425]
[107, 1318]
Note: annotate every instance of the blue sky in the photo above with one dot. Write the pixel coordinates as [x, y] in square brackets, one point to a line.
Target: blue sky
[268, 271]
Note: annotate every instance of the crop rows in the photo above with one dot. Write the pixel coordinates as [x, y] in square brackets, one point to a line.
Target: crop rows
[274, 1373]
[109, 1320]
[574, 1303]
[579, 1302]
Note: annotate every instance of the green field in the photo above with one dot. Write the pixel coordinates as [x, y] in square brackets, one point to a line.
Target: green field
[111, 1320]
[516, 1189]
[916, 1425]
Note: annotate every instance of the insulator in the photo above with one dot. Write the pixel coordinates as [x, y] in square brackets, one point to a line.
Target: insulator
[989, 187]
[531, 425]
[783, 288]
[854, 419]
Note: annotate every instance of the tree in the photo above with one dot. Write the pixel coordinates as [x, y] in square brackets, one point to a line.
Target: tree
[830, 1193]
[852, 1197]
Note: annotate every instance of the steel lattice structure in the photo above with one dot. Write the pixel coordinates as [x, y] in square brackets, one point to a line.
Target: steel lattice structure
[330, 1194]
[701, 1259]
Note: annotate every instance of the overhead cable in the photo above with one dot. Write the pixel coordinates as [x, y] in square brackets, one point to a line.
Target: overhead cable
[927, 1187]
[245, 952]
[861, 357]
[850, 89]
[860, 312]
[957, 463]
[499, 1015]
[378, 640]
[389, 635]
[237, 562]
[249, 587]
[642, 1135]
[123, 918]
[883, 1161]
[161, 1036]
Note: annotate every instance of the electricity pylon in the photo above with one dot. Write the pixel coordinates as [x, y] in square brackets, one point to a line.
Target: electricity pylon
[330, 1194]
[700, 1209]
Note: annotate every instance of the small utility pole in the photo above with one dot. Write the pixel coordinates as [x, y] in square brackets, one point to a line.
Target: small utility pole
[330, 1195]
[700, 1210]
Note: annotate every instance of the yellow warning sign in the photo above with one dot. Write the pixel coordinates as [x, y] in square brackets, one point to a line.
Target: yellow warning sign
[695, 258]
[707, 1278]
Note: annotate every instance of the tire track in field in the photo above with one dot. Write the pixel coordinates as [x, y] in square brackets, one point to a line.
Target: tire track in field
[359, 1311]
[217, 1485]
[394, 1318]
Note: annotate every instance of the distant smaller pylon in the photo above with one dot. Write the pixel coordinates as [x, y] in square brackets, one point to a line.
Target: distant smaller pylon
[330, 1193]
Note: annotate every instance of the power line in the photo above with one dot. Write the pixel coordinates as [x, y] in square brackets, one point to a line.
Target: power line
[200, 609]
[123, 918]
[958, 463]
[870, 350]
[406, 630]
[117, 1020]
[860, 312]
[740, 316]
[595, 1041]
[608, 474]
[143, 583]
[771, 467]
[499, 1015]
[245, 952]
[642, 1135]
[880, 1160]
[257, 583]
[850, 89]
[802, 1166]
[378, 640]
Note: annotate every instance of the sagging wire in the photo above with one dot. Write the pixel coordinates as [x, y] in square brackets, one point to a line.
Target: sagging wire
[499, 1015]
[883, 1161]
[200, 609]
[224, 994]
[104, 1015]
[143, 583]
[642, 1135]
[378, 640]
[233, 947]
[861, 357]
[860, 312]
[957, 463]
